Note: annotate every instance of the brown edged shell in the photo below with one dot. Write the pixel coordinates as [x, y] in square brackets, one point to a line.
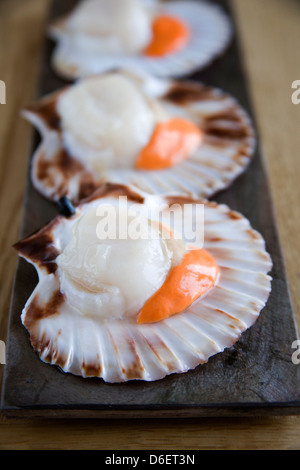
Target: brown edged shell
[121, 350]
[227, 148]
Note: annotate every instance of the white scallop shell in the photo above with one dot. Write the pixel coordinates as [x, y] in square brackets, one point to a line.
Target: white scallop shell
[228, 145]
[119, 350]
[211, 32]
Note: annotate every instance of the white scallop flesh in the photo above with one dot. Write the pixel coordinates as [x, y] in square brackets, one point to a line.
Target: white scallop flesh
[106, 121]
[111, 26]
[105, 275]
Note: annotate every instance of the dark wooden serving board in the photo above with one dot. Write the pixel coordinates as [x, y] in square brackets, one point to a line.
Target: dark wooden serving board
[254, 377]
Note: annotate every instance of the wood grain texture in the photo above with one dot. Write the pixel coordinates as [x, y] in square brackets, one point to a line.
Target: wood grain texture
[19, 55]
[270, 35]
[269, 32]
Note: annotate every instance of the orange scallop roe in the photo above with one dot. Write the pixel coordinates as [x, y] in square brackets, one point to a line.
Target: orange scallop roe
[171, 142]
[169, 35]
[191, 279]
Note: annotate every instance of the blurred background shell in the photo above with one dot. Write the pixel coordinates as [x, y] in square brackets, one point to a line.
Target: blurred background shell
[210, 28]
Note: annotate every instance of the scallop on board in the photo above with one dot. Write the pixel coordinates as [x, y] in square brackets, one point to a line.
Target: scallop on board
[166, 39]
[131, 307]
[160, 135]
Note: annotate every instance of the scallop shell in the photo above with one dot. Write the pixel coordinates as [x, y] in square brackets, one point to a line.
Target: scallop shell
[122, 350]
[211, 32]
[228, 145]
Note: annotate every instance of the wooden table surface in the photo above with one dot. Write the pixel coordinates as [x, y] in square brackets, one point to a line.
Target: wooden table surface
[270, 36]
